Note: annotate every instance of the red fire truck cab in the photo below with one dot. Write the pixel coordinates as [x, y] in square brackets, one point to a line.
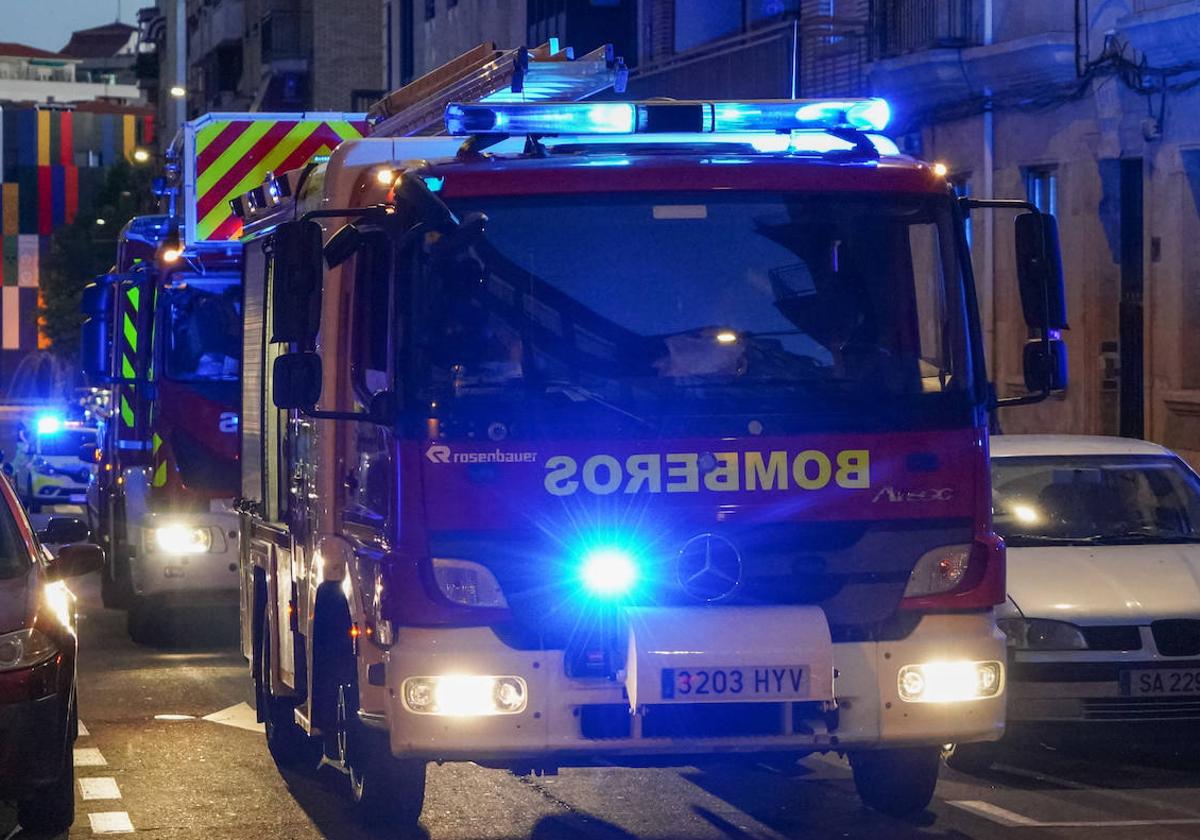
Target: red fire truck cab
[624, 433]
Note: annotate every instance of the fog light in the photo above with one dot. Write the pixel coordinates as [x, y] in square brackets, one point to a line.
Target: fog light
[950, 682]
[465, 696]
[182, 539]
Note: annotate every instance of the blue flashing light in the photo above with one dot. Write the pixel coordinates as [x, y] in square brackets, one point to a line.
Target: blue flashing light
[600, 118]
[49, 424]
[608, 571]
[434, 183]
[567, 118]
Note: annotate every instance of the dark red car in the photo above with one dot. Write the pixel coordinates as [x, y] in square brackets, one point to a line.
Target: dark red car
[38, 645]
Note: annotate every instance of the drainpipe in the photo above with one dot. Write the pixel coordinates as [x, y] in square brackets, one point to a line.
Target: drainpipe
[181, 60]
[989, 219]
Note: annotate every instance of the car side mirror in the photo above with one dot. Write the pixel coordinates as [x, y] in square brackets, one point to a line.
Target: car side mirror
[1045, 365]
[296, 273]
[61, 530]
[342, 245]
[296, 380]
[87, 453]
[1040, 272]
[77, 559]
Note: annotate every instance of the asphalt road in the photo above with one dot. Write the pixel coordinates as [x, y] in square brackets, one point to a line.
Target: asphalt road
[171, 733]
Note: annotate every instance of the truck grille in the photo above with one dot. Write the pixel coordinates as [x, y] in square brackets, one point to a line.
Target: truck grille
[1177, 637]
[1141, 708]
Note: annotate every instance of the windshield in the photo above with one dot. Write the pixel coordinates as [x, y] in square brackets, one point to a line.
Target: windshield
[667, 298]
[65, 441]
[14, 556]
[1094, 500]
[202, 330]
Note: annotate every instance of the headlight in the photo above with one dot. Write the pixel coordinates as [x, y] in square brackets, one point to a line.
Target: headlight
[182, 539]
[950, 682]
[464, 582]
[24, 649]
[465, 696]
[938, 571]
[1042, 634]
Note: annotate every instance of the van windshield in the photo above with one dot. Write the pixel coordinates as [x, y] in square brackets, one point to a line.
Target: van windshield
[659, 298]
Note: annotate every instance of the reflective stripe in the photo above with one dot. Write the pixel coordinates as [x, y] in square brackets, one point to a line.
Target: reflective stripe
[131, 333]
[135, 297]
[126, 412]
[131, 444]
[127, 370]
[160, 475]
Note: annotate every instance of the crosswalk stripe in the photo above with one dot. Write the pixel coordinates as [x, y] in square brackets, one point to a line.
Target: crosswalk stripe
[89, 757]
[100, 787]
[111, 822]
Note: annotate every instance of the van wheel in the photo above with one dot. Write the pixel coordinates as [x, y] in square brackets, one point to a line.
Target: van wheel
[287, 742]
[896, 782]
[972, 759]
[386, 791]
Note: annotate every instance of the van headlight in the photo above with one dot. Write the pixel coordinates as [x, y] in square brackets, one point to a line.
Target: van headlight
[467, 583]
[178, 539]
[1041, 634]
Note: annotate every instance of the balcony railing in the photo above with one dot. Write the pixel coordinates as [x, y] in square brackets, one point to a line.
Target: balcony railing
[907, 26]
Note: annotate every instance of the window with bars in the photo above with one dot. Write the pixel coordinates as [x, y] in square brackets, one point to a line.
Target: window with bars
[1041, 188]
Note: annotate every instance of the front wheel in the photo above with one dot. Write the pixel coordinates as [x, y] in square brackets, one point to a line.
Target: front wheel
[896, 782]
[386, 791]
[51, 808]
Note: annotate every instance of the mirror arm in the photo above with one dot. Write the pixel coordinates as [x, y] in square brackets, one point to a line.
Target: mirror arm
[319, 414]
[348, 212]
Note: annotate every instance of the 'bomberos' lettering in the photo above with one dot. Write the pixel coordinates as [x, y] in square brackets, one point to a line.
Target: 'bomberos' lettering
[684, 472]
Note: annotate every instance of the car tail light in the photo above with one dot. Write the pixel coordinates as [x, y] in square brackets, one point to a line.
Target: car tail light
[958, 577]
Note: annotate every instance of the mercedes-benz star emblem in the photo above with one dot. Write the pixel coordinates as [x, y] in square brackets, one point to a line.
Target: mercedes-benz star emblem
[709, 568]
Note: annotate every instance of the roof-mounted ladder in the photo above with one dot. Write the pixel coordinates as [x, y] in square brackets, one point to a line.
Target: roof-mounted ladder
[486, 74]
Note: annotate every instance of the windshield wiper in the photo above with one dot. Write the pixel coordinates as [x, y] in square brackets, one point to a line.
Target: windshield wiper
[1143, 536]
[577, 393]
[1045, 539]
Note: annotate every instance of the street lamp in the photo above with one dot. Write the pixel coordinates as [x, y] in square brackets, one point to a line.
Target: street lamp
[141, 155]
[177, 91]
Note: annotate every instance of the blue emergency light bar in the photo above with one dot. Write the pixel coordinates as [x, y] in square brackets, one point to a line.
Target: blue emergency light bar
[671, 116]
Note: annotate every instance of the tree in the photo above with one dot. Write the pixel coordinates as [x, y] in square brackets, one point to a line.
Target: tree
[86, 248]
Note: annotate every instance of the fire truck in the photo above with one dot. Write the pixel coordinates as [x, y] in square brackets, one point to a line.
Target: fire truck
[624, 433]
[164, 331]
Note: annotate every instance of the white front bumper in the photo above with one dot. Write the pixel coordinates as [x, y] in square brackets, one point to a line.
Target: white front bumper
[869, 712]
[156, 573]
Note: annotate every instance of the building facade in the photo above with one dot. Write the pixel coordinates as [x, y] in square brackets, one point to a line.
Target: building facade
[1089, 109]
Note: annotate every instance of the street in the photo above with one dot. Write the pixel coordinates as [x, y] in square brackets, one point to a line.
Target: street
[172, 750]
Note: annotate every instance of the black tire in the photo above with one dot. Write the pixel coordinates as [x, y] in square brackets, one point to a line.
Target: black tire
[896, 782]
[116, 581]
[387, 792]
[973, 759]
[287, 742]
[142, 622]
[51, 809]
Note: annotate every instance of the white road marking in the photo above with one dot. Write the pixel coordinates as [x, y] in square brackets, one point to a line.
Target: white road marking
[995, 813]
[1011, 819]
[83, 730]
[100, 787]
[240, 716]
[111, 822]
[1039, 776]
[89, 757]
[174, 717]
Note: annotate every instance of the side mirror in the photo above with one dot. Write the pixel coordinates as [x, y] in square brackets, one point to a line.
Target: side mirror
[77, 559]
[296, 282]
[96, 298]
[296, 380]
[61, 530]
[1045, 365]
[87, 453]
[383, 408]
[95, 349]
[342, 245]
[1040, 273]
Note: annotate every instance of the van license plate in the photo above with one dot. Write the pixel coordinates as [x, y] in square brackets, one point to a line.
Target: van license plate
[767, 682]
[1166, 682]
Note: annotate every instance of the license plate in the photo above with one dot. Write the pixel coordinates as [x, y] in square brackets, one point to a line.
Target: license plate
[696, 685]
[1165, 682]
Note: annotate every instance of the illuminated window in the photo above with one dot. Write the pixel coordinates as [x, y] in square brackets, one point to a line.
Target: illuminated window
[1041, 188]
